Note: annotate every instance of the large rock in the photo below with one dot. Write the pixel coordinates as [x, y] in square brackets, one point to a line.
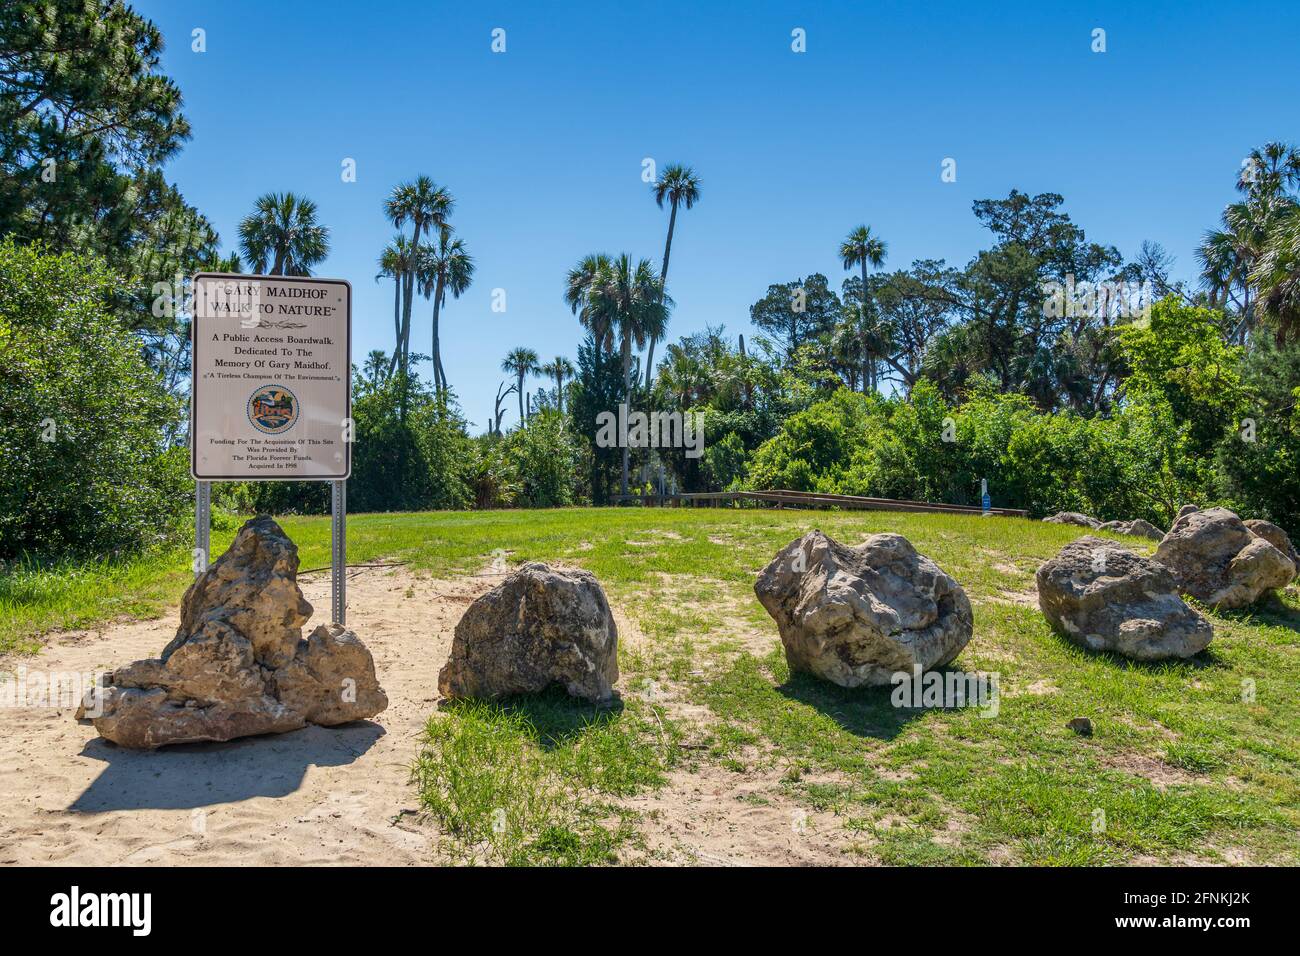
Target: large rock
[1215, 558]
[1073, 517]
[538, 627]
[1104, 597]
[238, 664]
[1136, 528]
[856, 616]
[1274, 536]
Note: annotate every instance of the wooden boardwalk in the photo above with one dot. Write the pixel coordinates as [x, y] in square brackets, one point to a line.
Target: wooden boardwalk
[808, 499]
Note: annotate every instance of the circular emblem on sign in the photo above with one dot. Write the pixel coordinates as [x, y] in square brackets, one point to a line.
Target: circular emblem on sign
[273, 409]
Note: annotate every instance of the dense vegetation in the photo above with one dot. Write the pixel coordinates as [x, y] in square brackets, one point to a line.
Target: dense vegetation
[1044, 364]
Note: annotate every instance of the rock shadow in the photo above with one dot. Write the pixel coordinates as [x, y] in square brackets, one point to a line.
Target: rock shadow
[558, 719]
[185, 776]
[861, 711]
[1198, 661]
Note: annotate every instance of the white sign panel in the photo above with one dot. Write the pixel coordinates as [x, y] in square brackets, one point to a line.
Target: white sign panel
[271, 396]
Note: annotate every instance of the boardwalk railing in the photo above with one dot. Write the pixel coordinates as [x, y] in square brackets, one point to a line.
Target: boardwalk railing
[808, 499]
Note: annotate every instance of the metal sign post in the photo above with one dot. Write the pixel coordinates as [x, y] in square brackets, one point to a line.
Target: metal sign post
[202, 525]
[339, 550]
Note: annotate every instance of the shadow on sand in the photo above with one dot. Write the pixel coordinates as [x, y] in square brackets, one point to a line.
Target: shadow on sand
[197, 775]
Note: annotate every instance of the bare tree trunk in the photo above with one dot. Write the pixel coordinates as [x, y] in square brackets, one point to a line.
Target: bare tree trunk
[439, 383]
[663, 289]
[627, 393]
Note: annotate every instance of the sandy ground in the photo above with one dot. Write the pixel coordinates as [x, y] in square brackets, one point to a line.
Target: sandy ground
[326, 796]
[314, 796]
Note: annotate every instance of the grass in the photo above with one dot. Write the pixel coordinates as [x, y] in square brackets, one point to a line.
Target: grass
[1189, 761]
[529, 781]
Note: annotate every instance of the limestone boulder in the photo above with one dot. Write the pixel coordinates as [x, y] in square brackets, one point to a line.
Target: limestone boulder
[1218, 560]
[1137, 528]
[1274, 536]
[238, 665]
[1104, 597]
[540, 626]
[1073, 517]
[855, 616]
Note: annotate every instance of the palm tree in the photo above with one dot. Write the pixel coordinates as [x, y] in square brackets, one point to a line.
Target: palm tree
[1230, 256]
[426, 206]
[681, 187]
[521, 362]
[394, 262]
[862, 248]
[282, 230]
[1276, 276]
[442, 268]
[559, 370]
[372, 373]
[577, 287]
[631, 299]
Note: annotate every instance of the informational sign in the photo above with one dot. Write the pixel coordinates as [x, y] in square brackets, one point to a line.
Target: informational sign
[271, 398]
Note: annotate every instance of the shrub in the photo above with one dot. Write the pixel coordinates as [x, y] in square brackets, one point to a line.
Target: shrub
[86, 467]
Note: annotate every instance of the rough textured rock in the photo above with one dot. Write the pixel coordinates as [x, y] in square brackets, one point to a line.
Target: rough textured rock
[1073, 517]
[1136, 528]
[1104, 597]
[1215, 558]
[1186, 510]
[1274, 536]
[238, 664]
[538, 627]
[856, 616]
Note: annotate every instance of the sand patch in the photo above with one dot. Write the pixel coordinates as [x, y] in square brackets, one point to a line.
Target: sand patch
[314, 796]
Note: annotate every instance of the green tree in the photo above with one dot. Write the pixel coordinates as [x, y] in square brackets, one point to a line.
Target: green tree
[87, 469]
[861, 248]
[520, 362]
[443, 267]
[577, 295]
[679, 186]
[1230, 256]
[283, 231]
[795, 313]
[630, 298]
[427, 206]
[559, 369]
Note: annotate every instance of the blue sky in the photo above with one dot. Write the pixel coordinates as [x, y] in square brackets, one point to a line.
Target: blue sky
[542, 145]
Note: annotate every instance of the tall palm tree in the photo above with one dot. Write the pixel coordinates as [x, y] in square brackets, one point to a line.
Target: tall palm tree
[630, 298]
[282, 230]
[427, 206]
[559, 370]
[861, 248]
[680, 186]
[394, 262]
[577, 286]
[443, 267]
[521, 362]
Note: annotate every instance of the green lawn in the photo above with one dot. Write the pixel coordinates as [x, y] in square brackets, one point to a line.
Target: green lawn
[1184, 765]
